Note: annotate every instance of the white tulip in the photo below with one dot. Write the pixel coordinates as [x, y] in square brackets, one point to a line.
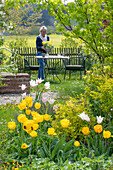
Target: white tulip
[83, 116]
[51, 101]
[47, 85]
[24, 95]
[32, 83]
[39, 81]
[23, 86]
[99, 119]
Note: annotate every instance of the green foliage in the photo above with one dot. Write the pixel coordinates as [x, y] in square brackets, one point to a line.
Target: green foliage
[70, 110]
[89, 21]
[99, 92]
[25, 18]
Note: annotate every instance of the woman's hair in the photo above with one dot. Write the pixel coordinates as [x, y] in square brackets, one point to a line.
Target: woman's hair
[43, 28]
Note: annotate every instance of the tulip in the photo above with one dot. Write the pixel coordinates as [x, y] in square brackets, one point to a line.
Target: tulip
[99, 119]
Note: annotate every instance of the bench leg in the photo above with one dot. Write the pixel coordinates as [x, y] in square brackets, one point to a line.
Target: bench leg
[64, 74]
[80, 74]
[69, 74]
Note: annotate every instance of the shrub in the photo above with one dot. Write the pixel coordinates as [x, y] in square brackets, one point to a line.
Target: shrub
[70, 111]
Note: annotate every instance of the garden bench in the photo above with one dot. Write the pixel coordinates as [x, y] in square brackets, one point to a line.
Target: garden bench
[29, 62]
[74, 64]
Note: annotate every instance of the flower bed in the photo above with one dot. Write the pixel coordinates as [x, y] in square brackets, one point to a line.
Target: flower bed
[39, 136]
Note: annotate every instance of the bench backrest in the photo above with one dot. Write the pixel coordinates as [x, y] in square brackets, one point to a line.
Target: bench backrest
[30, 53]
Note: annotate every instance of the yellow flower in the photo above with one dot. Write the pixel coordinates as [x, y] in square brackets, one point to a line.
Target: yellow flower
[46, 117]
[85, 130]
[51, 131]
[28, 100]
[33, 113]
[30, 104]
[28, 112]
[33, 134]
[98, 128]
[22, 118]
[64, 123]
[47, 42]
[24, 146]
[106, 134]
[27, 125]
[37, 105]
[11, 125]
[43, 43]
[76, 143]
[22, 105]
[50, 43]
[38, 118]
[34, 126]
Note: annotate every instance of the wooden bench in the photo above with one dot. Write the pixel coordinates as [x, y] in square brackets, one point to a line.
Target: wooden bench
[29, 67]
[28, 61]
[75, 64]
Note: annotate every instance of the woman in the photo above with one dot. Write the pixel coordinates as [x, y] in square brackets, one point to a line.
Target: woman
[40, 49]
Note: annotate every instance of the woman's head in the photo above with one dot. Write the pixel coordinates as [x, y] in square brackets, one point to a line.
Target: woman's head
[43, 30]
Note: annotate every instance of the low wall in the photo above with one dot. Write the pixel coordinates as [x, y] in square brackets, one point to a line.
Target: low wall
[12, 83]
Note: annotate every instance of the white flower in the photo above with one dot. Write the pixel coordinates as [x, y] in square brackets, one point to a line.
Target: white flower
[44, 99]
[83, 116]
[87, 118]
[24, 95]
[99, 119]
[51, 101]
[32, 83]
[55, 106]
[47, 85]
[39, 81]
[23, 86]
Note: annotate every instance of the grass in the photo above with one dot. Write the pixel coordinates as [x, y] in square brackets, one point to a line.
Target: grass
[31, 39]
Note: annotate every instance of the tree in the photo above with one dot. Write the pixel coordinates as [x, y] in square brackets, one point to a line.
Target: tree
[94, 23]
[26, 18]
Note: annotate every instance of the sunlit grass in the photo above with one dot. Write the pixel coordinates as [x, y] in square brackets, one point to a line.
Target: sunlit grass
[31, 39]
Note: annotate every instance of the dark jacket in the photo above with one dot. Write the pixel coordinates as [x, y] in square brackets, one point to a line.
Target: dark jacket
[39, 44]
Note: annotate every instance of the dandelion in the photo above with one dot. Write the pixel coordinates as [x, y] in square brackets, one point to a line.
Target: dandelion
[24, 146]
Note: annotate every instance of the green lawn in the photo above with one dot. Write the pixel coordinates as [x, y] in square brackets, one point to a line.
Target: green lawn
[31, 39]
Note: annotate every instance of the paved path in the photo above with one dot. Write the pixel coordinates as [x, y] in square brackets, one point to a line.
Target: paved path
[15, 98]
